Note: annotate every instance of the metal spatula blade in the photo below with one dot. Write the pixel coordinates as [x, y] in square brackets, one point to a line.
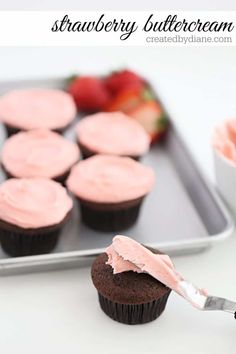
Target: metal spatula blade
[199, 299]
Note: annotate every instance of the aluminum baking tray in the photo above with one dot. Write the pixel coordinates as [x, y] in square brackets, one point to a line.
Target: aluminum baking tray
[183, 214]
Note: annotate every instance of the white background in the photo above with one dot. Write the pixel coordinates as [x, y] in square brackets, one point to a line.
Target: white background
[58, 312]
[117, 5]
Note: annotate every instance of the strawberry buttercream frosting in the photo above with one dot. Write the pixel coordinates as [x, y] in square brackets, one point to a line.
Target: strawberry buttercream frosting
[37, 108]
[125, 254]
[33, 203]
[38, 153]
[110, 179]
[113, 133]
[224, 140]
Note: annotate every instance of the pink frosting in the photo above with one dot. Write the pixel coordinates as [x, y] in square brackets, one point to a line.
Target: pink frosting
[224, 140]
[37, 108]
[125, 254]
[38, 153]
[33, 203]
[110, 179]
[113, 133]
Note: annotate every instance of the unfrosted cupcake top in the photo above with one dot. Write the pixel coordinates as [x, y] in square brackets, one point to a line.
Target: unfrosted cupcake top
[113, 133]
[33, 202]
[37, 108]
[38, 153]
[110, 179]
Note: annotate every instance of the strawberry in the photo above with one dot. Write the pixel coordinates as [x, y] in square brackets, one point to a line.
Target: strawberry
[124, 101]
[90, 93]
[128, 99]
[122, 80]
[150, 115]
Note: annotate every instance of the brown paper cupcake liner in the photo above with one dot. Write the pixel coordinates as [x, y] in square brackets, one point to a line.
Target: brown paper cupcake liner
[110, 217]
[61, 179]
[85, 152]
[10, 130]
[18, 242]
[133, 313]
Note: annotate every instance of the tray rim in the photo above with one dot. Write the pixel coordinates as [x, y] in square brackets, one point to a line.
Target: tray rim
[78, 255]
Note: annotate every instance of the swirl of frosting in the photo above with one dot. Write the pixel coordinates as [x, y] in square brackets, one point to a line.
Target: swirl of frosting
[37, 108]
[33, 202]
[110, 179]
[38, 153]
[113, 133]
[224, 140]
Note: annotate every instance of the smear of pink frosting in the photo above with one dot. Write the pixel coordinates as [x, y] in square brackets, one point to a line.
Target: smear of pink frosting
[37, 108]
[110, 179]
[38, 153]
[33, 202]
[224, 140]
[125, 254]
[113, 133]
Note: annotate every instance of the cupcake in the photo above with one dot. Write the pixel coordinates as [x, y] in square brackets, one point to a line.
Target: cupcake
[32, 213]
[113, 134]
[127, 292]
[39, 153]
[110, 190]
[36, 108]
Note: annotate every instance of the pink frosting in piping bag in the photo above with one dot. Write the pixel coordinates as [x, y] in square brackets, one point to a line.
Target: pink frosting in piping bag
[125, 254]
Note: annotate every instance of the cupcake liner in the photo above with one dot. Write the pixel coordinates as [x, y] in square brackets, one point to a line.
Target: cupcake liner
[85, 152]
[13, 130]
[133, 313]
[61, 179]
[110, 217]
[17, 241]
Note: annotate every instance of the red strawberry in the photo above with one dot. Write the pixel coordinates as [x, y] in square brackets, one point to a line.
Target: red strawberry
[128, 99]
[124, 101]
[122, 80]
[150, 115]
[90, 94]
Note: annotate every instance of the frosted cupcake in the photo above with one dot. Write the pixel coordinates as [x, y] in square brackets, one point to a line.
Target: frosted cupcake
[110, 190]
[32, 214]
[129, 293]
[36, 108]
[113, 134]
[39, 153]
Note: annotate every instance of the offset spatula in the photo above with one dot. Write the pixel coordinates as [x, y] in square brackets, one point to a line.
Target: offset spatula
[145, 259]
[199, 299]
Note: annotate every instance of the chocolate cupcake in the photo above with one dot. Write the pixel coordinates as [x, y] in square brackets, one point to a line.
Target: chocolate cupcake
[32, 213]
[36, 108]
[126, 292]
[39, 153]
[110, 190]
[113, 134]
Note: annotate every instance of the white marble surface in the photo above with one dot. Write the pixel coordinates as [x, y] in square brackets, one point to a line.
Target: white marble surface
[58, 312]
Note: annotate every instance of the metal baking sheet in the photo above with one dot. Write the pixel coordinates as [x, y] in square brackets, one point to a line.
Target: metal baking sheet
[183, 214]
